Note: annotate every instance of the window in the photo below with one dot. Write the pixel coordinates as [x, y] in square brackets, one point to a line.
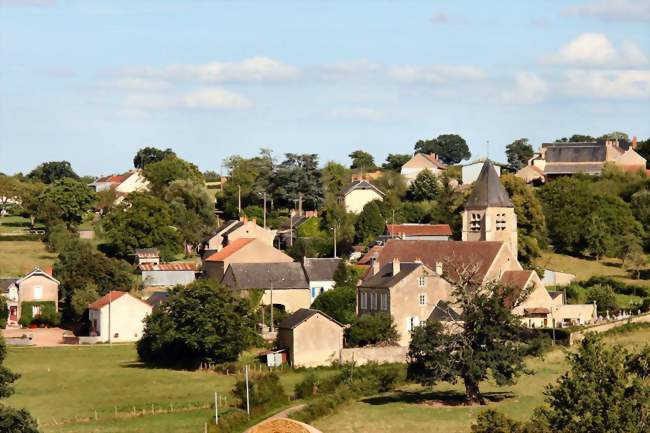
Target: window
[501, 221]
[475, 222]
[412, 322]
[384, 301]
[38, 292]
[36, 310]
[422, 281]
[423, 298]
[363, 301]
[373, 301]
[313, 292]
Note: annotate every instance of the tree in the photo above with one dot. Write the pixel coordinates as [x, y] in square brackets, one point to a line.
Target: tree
[298, 175]
[67, 200]
[643, 149]
[335, 216]
[150, 155]
[615, 135]
[604, 297]
[82, 297]
[142, 221]
[371, 329]
[395, 161]
[370, 223]
[424, 187]
[362, 160]
[576, 138]
[340, 301]
[635, 260]
[12, 420]
[49, 172]
[488, 341]
[449, 201]
[519, 152]
[450, 148]
[106, 200]
[192, 209]
[335, 176]
[29, 199]
[9, 190]
[598, 240]
[200, 322]
[161, 173]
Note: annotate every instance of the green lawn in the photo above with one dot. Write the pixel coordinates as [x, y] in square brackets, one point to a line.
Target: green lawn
[19, 257]
[64, 386]
[14, 224]
[416, 410]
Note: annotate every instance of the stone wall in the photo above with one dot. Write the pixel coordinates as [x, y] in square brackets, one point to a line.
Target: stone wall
[576, 337]
[363, 355]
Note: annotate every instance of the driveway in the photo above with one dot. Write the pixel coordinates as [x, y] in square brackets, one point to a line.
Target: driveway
[43, 337]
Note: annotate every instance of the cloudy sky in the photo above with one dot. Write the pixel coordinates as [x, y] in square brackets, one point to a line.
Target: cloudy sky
[93, 81]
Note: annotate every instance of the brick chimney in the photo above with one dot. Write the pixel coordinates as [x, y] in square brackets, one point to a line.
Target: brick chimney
[396, 266]
[634, 143]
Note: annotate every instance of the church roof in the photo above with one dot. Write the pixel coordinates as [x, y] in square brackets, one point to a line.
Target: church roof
[488, 191]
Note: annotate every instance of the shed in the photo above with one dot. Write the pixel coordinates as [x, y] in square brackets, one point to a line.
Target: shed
[311, 337]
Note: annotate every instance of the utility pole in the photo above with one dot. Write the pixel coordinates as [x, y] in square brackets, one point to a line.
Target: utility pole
[334, 241]
[216, 409]
[271, 307]
[300, 204]
[264, 209]
[110, 299]
[290, 229]
[239, 199]
[248, 407]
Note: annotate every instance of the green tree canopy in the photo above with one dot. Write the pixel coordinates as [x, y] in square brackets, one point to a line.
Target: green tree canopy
[643, 149]
[335, 176]
[362, 160]
[192, 209]
[49, 172]
[67, 200]
[148, 155]
[395, 161]
[424, 187]
[340, 301]
[450, 148]
[200, 322]
[604, 297]
[162, 173]
[370, 223]
[576, 138]
[298, 175]
[370, 329]
[519, 152]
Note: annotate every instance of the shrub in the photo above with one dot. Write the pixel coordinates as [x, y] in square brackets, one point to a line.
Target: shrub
[372, 329]
[48, 316]
[265, 391]
[307, 387]
[230, 421]
[374, 378]
[604, 298]
[323, 406]
[617, 286]
[4, 312]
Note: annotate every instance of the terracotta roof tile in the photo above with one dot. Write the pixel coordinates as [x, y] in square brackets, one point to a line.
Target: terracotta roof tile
[419, 229]
[104, 300]
[185, 266]
[230, 249]
[516, 279]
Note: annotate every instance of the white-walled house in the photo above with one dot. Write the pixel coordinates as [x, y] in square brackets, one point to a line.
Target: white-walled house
[358, 194]
[118, 316]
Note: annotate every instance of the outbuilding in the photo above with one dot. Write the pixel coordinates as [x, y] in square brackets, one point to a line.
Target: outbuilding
[311, 337]
[118, 316]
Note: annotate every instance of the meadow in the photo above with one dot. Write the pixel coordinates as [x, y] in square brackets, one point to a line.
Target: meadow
[19, 257]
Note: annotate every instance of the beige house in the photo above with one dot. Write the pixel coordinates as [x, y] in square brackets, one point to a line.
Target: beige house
[242, 250]
[358, 194]
[124, 184]
[406, 291]
[311, 337]
[118, 316]
[232, 230]
[419, 162]
[36, 287]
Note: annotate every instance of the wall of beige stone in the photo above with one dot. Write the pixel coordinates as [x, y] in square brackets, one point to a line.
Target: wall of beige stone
[363, 355]
[576, 337]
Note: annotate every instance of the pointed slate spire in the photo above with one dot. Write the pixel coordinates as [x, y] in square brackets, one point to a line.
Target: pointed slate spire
[488, 191]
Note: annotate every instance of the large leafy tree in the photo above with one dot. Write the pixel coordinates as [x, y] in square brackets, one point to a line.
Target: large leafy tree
[576, 138]
[49, 172]
[335, 176]
[451, 148]
[362, 160]
[340, 301]
[149, 155]
[643, 149]
[9, 190]
[30, 202]
[161, 173]
[335, 216]
[424, 187]
[192, 209]
[67, 200]
[12, 420]
[370, 223]
[395, 161]
[298, 175]
[142, 221]
[519, 152]
[489, 341]
[201, 322]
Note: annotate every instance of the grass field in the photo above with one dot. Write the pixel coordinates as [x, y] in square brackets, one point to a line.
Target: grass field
[20, 257]
[64, 386]
[14, 224]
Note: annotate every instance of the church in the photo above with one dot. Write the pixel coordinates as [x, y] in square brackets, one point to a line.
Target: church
[412, 279]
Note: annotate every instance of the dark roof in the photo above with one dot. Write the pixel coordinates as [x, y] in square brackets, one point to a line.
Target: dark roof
[300, 316]
[385, 279]
[488, 191]
[5, 283]
[443, 312]
[574, 152]
[293, 222]
[554, 294]
[220, 229]
[361, 184]
[232, 228]
[287, 275]
[157, 298]
[372, 253]
[320, 269]
[572, 168]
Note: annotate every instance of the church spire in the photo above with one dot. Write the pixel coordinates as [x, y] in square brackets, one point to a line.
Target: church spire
[488, 191]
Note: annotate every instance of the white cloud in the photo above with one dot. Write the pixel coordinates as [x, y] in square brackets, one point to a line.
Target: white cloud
[359, 113]
[439, 17]
[348, 68]
[529, 89]
[608, 84]
[140, 84]
[596, 49]
[632, 10]
[212, 98]
[436, 74]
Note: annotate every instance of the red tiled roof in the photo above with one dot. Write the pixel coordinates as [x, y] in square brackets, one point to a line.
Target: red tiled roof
[114, 178]
[536, 310]
[230, 249]
[104, 300]
[434, 160]
[419, 229]
[185, 266]
[372, 252]
[516, 279]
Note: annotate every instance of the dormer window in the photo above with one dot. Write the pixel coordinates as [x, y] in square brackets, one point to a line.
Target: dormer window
[475, 222]
[501, 221]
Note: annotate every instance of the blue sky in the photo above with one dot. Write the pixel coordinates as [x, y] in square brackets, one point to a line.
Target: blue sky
[93, 81]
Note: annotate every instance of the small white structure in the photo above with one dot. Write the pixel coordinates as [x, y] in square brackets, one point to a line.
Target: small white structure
[118, 316]
[167, 274]
[320, 274]
[470, 171]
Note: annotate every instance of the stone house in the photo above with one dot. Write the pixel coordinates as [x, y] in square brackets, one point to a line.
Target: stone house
[35, 291]
[419, 162]
[131, 181]
[311, 337]
[358, 194]
[118, 317]
[232, 230]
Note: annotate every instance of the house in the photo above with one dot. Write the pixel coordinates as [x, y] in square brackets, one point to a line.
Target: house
[147, 255]
[532, 174]
[126, 183]
[569, 158]
[167, 274]
[242, 250]
[35, 291]
[287, 231]
[407, 291]
[358, 194]
[157, 298]
[320, 274]
[471, 170]
[419, 162]
[232, 230]
[433, 232]
[311, 337]
[117, 317]
[285, 284]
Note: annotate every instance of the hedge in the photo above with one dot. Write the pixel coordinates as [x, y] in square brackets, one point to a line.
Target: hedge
[49, 315]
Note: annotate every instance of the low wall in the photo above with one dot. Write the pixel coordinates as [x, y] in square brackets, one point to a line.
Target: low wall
[89, 340]
[363, 355]
[576, 337]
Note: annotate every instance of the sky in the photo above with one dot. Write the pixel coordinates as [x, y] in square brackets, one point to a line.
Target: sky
[92, 82]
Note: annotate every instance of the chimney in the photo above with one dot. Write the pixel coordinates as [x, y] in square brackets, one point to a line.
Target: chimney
[49, 271]
[634, 144]
[396, 266]
[375, 266]
[439, 268]
[418, 260]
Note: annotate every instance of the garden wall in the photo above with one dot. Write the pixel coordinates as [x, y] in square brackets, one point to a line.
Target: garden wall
[363, 355]
[576, 337]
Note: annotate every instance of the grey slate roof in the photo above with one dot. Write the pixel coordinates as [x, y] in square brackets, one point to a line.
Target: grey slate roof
[385, 279]
[575, 153]
[572, 168]
[442, 312]
[488, 191]
[361, 184]
[300, 316]
[264, 275]
[5, 283]
[320, 269]
[157, 298]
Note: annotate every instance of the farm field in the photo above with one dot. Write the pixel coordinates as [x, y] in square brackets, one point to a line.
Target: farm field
[64, 386]
[19, 257]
